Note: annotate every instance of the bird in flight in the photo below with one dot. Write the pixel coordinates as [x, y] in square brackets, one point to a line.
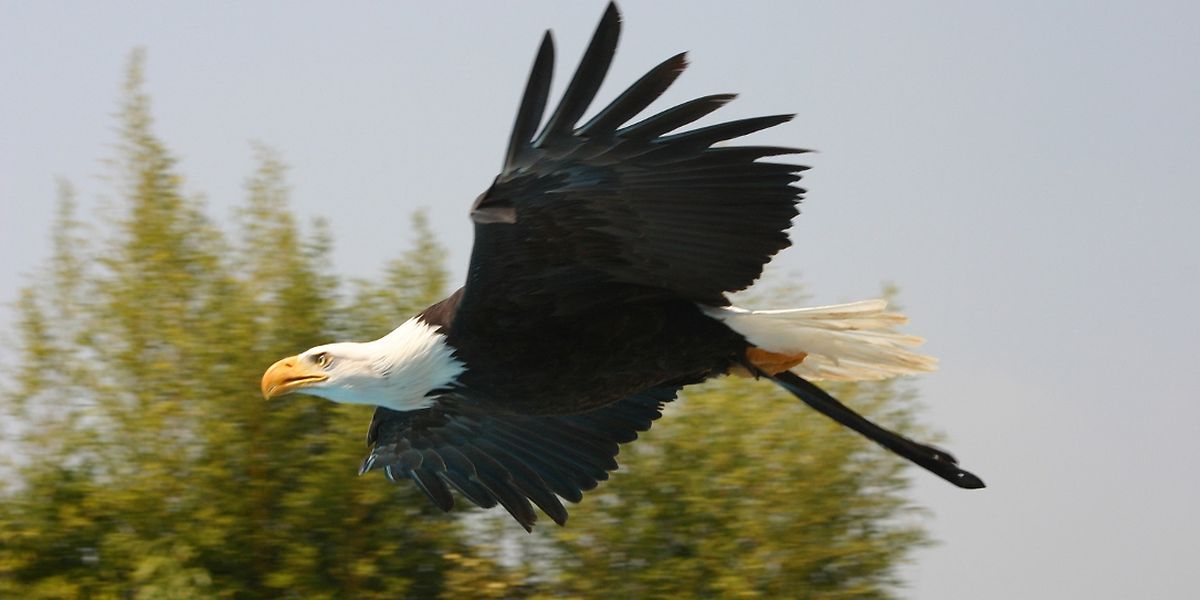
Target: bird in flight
[596, 290]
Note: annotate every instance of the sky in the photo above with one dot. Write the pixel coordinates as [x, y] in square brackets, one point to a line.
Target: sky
[1025, 171]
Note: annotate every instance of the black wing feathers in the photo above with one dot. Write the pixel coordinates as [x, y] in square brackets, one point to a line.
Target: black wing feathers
[533, 105]
[589, 214]
[507, 459]
[675, 117]
[586, 82]
[635, 99]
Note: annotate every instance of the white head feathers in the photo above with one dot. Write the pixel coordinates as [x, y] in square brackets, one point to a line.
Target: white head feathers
[396, 371]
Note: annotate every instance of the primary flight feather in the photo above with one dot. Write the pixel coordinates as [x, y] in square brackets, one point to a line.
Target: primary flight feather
[596, 290]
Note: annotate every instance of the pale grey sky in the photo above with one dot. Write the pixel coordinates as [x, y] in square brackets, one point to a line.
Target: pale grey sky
[1026, 171]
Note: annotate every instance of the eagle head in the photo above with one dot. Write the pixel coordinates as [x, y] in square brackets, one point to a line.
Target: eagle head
[397, 371]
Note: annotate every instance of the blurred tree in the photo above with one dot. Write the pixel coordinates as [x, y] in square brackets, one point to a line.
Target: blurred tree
[151, 467]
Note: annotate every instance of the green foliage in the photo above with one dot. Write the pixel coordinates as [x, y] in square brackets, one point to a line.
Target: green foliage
[148, 467]
[152, 468]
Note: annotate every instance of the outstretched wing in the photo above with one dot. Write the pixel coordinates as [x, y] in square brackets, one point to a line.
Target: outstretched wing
[585, 215]
[507, 459]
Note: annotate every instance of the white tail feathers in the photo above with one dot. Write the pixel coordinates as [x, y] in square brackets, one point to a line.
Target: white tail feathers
[844, 342]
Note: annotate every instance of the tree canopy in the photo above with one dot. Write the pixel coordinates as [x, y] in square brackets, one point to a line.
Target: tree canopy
[144, 464]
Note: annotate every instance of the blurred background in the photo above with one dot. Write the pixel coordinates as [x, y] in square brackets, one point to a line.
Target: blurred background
[190, 191]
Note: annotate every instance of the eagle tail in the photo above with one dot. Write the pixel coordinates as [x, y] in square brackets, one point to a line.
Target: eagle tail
[842, 342]
[935, 460]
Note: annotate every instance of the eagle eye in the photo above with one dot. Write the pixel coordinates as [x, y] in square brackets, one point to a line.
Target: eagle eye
[322, 359]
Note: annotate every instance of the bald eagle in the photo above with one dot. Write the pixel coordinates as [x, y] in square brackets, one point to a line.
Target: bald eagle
[596, 291]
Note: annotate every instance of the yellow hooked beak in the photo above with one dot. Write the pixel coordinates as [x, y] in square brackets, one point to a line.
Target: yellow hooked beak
[290, 375]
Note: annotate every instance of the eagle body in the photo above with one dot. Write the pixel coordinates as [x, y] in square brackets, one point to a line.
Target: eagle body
[594, 359]
[597, 289]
